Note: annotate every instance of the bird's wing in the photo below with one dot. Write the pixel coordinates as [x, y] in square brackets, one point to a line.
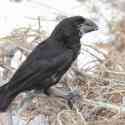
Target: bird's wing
[43, 68]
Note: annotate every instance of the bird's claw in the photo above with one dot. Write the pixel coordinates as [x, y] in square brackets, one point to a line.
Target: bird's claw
[72, 97]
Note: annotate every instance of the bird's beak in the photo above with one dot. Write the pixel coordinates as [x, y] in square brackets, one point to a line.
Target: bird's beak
[88, 26]
[95, 28]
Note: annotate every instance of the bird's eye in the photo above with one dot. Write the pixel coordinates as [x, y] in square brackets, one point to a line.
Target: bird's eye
[88, 24]
[79, 26]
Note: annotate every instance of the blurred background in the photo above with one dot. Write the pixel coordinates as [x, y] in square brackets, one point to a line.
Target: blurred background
[98, 73]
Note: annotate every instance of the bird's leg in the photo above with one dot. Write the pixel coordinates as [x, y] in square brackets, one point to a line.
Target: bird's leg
[70, 96]
[47, 92]
[40, 89]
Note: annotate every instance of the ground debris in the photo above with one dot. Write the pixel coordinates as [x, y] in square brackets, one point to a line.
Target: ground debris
[102, 91]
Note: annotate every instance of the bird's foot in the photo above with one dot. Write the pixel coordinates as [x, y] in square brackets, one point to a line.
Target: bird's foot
[71, 96]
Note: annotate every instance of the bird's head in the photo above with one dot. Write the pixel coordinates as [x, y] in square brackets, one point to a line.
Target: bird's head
[74, 27]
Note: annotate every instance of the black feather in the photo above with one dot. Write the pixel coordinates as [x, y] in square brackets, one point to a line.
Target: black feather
[47, 63]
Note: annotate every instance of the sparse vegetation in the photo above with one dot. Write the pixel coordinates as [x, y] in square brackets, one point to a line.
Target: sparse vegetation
[102, 92]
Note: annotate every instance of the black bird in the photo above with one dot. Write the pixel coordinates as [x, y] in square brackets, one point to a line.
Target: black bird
[47, 63]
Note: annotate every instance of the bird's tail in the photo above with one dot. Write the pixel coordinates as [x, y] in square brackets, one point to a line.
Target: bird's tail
[6, 98]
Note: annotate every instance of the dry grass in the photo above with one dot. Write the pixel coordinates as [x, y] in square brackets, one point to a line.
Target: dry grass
[102, 93]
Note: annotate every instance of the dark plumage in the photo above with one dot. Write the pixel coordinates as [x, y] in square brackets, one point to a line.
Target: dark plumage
[47, 63]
